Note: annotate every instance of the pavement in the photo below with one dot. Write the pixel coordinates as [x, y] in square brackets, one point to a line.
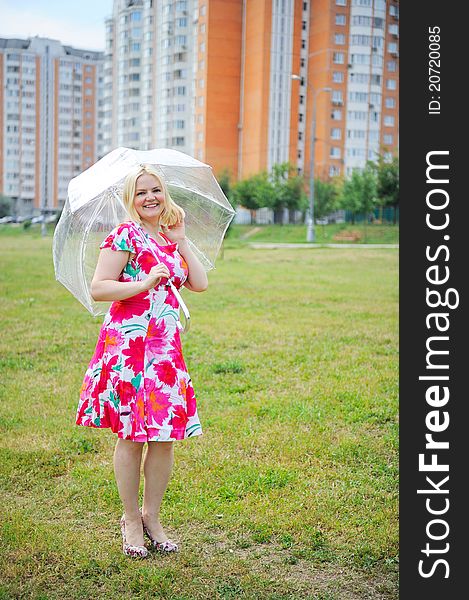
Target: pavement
[261, 245]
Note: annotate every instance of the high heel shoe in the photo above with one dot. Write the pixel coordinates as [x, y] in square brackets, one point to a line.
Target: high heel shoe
[167, 546]
[128, 549]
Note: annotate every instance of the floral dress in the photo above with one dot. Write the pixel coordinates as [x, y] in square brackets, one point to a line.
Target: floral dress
[137, 381]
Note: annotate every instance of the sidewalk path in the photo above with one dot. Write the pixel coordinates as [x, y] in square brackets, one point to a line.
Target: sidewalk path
[260, 245]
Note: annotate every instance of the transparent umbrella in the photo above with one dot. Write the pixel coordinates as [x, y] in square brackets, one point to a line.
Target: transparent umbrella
[94, 207]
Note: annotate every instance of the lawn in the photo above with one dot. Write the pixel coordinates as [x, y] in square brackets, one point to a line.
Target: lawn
[334, 233]
[292, 491]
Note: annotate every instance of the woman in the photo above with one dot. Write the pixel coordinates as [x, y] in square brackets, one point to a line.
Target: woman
[137, 382]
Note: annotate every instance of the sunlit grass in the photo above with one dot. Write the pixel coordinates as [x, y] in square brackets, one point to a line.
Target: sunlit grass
[292, 489]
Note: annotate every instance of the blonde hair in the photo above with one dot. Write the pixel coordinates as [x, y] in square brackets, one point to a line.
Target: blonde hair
[171, 214]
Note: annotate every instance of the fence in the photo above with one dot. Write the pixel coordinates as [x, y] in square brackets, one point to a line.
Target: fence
[266, 216]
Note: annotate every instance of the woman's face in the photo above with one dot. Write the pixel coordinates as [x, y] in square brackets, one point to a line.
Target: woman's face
[149, 197]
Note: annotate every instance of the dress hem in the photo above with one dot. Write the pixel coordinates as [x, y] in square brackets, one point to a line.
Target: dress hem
[176, 438]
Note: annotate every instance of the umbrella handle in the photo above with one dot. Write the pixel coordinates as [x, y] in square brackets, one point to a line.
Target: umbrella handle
[182, 304]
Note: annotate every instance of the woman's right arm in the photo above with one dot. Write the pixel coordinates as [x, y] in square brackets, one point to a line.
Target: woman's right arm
[105, 286]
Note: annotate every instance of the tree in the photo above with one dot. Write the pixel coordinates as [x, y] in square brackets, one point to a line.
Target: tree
[287, 191]
[387, 174]
[224, 181]
[359, 192]
[5, 206]
[326, 197]
[253, 192]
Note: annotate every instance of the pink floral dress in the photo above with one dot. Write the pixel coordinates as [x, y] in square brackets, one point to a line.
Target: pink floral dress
[137, 381]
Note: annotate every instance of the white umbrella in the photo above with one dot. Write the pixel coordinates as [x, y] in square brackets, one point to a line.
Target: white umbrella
[94, 207]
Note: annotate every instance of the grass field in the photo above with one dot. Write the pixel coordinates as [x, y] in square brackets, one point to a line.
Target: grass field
[292, 490]
[324, 234]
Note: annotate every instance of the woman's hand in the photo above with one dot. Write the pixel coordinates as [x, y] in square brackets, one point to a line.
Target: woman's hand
[157, 273]
[177, 232]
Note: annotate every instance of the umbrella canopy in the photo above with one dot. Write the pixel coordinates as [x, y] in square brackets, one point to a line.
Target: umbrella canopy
[94, 207]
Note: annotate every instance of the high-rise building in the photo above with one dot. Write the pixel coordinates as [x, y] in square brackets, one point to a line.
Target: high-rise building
[242, 84]
[272, 70]
[148, 96]
[49, 97]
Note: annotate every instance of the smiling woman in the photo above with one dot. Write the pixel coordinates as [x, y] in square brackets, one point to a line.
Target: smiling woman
[137, 381]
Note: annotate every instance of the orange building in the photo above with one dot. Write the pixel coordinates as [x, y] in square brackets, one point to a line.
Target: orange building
[250, 113]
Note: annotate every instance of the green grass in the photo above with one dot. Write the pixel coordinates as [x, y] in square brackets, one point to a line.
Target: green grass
[292, 490]
[324, 234]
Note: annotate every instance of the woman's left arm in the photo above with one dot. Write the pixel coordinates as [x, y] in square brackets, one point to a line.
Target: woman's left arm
[197, 280]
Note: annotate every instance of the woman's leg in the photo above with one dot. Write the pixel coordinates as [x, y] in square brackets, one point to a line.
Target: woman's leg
[127, 461]
[157, 467]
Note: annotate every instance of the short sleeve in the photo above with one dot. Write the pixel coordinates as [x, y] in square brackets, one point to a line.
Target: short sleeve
[121, 238]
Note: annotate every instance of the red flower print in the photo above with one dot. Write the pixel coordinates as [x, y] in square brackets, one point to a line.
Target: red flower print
[124, 310]
[86, 385]
[176, 352]
[106, 374]
[190, 400]
[113, 340]
[158, 402]
[126, 392]
[156, 337]
[171, 298]
[165, 372]
[179, 419]
[136, 354]
[147, 261]
[139, 406]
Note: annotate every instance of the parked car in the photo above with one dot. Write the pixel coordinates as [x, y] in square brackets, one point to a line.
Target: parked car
[7, 219]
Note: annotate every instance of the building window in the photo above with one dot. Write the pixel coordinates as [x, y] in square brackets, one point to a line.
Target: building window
[392, 66]
[392, 48]
[336, 133]
[340, 19]
[337, 77]
[339, 39]
[390, 103]
[393, 10]
[337, 97]
[389, 121]
[393, 29]
[341, 2]
[335, 152]
[334, 171]
[338, 58]
[336, 115]
[391, 84]
[388, 139]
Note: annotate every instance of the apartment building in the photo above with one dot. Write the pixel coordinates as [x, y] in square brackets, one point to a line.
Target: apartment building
[241, 84]
[148, 75]
[250, 113]
[49, 102]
